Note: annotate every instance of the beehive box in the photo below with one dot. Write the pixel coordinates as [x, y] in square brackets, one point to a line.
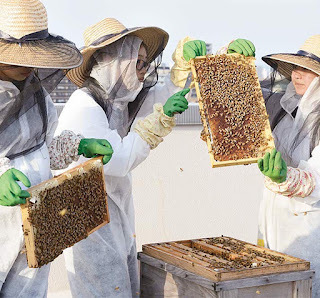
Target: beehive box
[221, 267]
[232, 109]
[64, 210]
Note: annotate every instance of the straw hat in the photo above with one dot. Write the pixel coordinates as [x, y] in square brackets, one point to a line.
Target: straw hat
[307, 57]
[25, 41]
[108, 31]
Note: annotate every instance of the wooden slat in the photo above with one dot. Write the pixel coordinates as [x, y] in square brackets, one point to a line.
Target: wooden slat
[205, 261]
[107, 218]
[261, 260]
[181, 254]
[208, 257]
[29, 237]
[181, 263]
[204, 246]
[264, 280]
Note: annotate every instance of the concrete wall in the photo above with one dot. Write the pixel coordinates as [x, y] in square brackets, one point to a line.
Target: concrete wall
[179, 196]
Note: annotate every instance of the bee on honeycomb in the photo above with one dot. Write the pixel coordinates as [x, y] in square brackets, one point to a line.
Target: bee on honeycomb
[233, 107]
[63, 214]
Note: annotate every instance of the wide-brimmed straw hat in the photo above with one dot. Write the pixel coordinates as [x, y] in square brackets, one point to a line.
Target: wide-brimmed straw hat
[25, 41]
[108, 31]
[307, 57]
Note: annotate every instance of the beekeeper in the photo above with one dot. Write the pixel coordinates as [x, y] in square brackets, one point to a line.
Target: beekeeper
[117, 96]
[29, 61]
[289, 219]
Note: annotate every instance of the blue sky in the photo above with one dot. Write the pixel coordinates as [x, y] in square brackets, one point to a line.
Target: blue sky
[273, 26]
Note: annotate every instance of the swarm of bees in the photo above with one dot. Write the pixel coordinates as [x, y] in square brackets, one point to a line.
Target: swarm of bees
[233, 107]
[66, 213]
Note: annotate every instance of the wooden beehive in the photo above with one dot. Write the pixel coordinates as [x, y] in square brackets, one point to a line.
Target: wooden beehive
[232, 109]
[224, 258]
[64, 210]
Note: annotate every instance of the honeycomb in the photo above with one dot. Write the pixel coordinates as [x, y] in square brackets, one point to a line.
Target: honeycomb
[65, 213]
[233, 107]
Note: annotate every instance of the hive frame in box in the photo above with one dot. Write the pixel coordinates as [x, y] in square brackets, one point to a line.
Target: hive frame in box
[161, 279]
[173, 253]
[29, 233]
[214, 162]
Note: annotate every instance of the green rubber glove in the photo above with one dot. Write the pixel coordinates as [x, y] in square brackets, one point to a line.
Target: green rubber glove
[273, 166]
[177, 103]
[10, 191]
[242, 46]
[95, 147]
[194, 48]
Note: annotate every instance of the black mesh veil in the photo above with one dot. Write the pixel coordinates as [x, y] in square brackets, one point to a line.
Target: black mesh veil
[23, 109]
[23, 112]
[273, 88]
[114, 85]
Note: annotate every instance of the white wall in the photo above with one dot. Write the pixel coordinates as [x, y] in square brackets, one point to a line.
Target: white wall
[179, 196]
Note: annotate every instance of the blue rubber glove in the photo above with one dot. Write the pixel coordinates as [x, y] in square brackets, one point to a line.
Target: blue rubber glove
[95, 147]
[273, 166]
[177, 103]
[10, 191]
[194, 48]
[242, 46]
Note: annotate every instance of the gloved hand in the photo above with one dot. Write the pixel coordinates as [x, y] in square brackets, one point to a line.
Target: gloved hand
[177, 103]
[242, 46]
[10, 191]
[273, 166]
[194, 48]
[95, 147]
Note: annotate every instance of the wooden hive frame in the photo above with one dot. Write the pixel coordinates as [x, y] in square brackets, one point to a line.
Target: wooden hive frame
[197, 256]
[204, 117]
[30, 231]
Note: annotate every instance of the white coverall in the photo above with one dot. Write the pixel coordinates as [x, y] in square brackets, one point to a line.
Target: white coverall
[16, 279]
[292, 224]
[105, 264]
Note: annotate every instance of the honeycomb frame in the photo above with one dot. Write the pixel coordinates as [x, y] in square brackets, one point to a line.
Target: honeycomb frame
[39, 215]
[206, 113]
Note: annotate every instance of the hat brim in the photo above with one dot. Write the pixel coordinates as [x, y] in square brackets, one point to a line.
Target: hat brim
[285, 63]
[41, 54]
[153, 37]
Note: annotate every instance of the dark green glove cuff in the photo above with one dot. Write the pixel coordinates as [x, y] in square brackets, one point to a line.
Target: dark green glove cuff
[82, 148]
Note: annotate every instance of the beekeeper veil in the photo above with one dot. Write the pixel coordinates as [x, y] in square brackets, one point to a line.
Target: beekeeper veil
[23, 111]
[114, 84]
[283, 64]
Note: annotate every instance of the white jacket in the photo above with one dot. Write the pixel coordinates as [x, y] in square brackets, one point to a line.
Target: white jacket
[36, 166]
[84, 116]
[292, 224]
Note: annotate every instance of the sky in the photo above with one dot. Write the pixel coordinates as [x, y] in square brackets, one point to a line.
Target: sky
[274, 26]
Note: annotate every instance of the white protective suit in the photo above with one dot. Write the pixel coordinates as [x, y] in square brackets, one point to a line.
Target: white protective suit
[292, 224]
[16, 279]
[105, 264]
